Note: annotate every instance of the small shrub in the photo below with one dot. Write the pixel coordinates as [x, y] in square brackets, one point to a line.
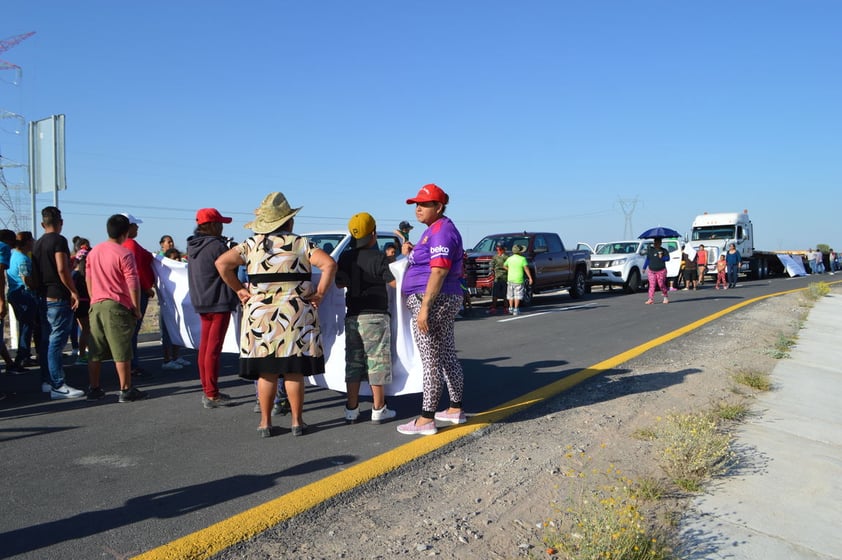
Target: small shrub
[607, 522]
[757, 380]
[782, 346]
[817, 290]
[730, 411]
[646, 434]
[693, 448]
[649, 489]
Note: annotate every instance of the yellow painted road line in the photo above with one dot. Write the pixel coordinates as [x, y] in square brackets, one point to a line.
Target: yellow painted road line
[212, 540]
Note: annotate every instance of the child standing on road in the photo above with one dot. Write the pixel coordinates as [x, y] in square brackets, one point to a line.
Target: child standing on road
[721, 266]
[517, 267]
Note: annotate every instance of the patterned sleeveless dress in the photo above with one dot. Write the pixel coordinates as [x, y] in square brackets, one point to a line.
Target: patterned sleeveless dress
[280, 331]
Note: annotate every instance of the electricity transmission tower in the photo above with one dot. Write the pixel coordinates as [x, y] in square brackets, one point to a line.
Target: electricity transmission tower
[12, 209]
[628, 204]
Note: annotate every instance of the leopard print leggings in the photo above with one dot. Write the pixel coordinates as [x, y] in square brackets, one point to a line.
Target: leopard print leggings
[438, 351]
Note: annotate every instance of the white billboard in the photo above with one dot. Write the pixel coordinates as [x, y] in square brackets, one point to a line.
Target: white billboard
[46, 148]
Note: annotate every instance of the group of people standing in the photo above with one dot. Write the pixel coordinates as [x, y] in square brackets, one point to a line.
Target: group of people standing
[52, 294]
[693, 269]
[269, 275]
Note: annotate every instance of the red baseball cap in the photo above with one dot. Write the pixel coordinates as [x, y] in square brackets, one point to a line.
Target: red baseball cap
[429, 193]
[211, 215]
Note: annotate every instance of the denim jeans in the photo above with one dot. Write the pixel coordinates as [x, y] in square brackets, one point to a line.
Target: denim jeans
[56, 322]
[144, 303]
[26, 312]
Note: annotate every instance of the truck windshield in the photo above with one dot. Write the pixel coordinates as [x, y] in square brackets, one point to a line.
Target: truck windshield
[489, 244]
[713, 232]
[617, 248]
[326, 242]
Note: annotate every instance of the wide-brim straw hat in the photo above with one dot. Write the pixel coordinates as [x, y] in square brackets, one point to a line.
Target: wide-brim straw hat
[273, 212]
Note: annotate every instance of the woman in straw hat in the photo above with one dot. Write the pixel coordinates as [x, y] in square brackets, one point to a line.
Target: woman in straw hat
[280, 333]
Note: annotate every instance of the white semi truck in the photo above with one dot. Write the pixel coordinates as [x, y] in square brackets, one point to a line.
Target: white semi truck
[717, 231]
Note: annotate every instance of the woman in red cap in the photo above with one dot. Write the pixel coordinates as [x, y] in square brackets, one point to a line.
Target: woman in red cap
[433, 295]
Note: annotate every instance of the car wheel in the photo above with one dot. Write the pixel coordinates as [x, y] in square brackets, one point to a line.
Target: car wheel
[632, 285]
[577, 290]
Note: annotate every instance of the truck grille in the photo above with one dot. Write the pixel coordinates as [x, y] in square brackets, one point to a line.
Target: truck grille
[477, 269]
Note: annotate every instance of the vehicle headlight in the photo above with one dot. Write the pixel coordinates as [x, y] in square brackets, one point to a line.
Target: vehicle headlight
[618, 262]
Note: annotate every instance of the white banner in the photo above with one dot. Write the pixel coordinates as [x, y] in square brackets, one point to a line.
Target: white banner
[794, 267]
[184, 327]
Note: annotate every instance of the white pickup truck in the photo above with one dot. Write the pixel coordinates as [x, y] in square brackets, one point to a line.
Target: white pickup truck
[620, 263]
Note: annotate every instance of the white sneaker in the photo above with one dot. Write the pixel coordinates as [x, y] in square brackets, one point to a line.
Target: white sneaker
[382, 415]
[66, 392]
[171, 365]
[182, 361]
[352, 414]
[46, 387]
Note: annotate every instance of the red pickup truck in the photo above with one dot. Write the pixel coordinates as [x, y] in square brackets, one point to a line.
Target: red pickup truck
[552, 266]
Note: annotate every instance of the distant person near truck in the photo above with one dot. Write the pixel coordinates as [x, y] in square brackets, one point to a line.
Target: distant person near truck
[498, 289]
[721, 269]
[516, 267]
[733, 260]
[702, 263]
[655, 266]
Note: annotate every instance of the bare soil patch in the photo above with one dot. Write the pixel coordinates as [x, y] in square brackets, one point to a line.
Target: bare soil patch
[490, 495]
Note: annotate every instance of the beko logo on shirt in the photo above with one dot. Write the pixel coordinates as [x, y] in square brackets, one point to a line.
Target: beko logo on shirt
[440, 251]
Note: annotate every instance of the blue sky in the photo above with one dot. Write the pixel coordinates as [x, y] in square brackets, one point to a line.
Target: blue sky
[536, 115]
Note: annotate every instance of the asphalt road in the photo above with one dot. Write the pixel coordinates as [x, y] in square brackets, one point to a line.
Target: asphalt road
[108, 480]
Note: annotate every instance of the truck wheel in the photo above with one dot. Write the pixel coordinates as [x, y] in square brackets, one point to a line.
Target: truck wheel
[633, 283]
[577, 290]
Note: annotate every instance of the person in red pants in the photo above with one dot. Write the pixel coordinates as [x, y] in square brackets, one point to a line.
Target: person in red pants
[212, 299]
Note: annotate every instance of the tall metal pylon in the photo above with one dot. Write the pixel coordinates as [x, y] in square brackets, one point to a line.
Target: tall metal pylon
[12, 210]
[628, 205]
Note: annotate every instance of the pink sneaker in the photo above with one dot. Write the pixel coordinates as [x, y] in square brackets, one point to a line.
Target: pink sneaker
[412, 429]
[452, 417]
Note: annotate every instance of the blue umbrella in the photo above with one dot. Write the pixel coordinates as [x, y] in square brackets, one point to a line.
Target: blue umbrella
[659, 231]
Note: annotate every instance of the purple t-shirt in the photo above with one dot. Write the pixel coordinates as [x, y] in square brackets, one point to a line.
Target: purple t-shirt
[440, 247]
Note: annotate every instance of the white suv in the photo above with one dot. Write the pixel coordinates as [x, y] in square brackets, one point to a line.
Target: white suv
[620, 263]
[335, 242]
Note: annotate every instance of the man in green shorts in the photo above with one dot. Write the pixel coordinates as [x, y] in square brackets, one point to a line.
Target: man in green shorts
[517, 268]
[364, 271]
[114, 287]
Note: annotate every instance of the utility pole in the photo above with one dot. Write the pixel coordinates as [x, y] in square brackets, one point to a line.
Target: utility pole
[628, 205]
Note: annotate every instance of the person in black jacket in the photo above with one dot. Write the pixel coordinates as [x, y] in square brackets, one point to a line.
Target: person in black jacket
[212, 299]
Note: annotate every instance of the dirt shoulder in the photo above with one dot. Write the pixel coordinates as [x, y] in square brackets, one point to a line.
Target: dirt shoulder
[491, 494]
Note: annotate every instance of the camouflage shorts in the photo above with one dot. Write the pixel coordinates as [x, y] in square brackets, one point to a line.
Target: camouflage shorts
[368, 349]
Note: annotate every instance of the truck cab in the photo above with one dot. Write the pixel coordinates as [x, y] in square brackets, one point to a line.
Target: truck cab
[717, 231]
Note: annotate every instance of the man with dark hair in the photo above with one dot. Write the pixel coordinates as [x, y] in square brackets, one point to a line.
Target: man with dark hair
[403, 231]
[114, 287]
[57, 300]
